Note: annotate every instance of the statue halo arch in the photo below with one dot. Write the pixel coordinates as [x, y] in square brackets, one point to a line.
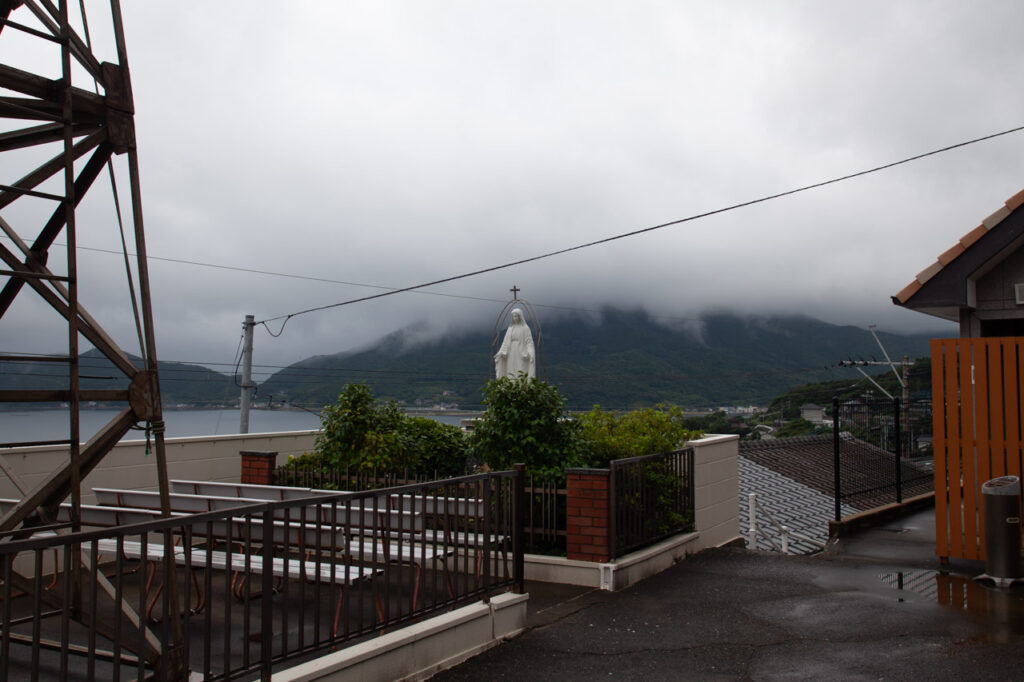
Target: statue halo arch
[530, 317]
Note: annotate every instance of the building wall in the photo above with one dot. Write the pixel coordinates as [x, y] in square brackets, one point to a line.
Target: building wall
[207, 458]
[716, 489]
[994, 310]
[994, 290]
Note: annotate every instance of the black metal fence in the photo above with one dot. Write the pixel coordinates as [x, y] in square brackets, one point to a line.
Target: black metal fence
[873, 450]
[545, 523]
[651, 499]
[544, 508]
[254, 587]
[344, 478]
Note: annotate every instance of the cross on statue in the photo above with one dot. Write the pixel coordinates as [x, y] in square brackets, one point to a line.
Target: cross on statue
[515, 292]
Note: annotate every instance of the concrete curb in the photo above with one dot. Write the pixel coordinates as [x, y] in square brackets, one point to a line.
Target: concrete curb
[874, 517]
[418, 651]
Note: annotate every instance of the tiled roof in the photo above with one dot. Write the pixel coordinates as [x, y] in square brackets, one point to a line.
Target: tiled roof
[801, 509]
[866, 478]
[794, 480]
[960, 247]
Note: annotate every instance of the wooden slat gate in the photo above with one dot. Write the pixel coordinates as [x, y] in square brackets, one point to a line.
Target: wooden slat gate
[977, 399]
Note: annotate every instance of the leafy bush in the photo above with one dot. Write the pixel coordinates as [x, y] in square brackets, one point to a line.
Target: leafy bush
[798, 427]
[357, 433]
[607, 435]
[525, 421]
[720, 422]
[360, 434]
[439, 449]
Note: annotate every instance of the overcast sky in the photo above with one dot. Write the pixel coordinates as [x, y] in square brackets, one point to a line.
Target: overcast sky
[385, 144]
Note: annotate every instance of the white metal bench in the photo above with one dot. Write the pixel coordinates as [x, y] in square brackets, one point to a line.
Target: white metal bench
[367, 534]
[243, 565]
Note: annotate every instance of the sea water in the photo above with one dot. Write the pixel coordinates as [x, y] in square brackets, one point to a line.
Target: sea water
[33, 425]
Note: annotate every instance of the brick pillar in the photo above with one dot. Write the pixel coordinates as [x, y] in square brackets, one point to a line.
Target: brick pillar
[587, 515]
[258, 466]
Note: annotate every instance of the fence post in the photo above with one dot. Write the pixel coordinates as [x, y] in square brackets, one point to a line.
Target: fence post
[587, 514]
[258, 466]
[835, 453]
[613, 522]
[899, 449]
[267, 601]
[485, 574]
[752, 521]
[518, 533]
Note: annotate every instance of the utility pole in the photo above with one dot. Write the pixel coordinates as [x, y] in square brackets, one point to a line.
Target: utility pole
[857, 364]
[902, 377]
[906, 407]
[247, 384]
[904, 383]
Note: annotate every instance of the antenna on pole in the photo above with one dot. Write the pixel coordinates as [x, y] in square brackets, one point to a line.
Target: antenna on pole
[892, 365]
[247, 385]
[904, 379]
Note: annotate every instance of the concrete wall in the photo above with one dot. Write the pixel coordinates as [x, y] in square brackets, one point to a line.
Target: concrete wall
[206, 458]
[716, 489]
[418, 651]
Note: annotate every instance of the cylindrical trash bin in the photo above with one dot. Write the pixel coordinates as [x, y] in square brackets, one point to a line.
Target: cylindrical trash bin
[1002, 527]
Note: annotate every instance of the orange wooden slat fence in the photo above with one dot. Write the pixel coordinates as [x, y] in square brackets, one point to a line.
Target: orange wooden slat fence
[976, 411]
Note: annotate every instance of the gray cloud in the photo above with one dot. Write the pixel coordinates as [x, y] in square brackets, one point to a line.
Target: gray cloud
[397, 143]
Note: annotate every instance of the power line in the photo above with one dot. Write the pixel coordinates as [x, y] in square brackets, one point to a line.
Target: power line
[387, 377]
[634, 233]
[272, 273]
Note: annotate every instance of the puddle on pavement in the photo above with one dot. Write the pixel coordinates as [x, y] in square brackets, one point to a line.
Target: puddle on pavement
[1002, 608]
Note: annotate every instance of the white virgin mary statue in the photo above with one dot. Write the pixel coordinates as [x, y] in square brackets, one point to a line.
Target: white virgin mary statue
[516, 353]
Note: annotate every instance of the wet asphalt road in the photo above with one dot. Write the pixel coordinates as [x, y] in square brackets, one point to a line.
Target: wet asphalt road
[732, 614]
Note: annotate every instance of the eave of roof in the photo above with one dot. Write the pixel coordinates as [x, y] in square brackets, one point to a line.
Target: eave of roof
[958, 249]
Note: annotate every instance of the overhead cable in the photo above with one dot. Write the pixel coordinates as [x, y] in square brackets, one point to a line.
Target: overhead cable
[633, 233]
[288, 275]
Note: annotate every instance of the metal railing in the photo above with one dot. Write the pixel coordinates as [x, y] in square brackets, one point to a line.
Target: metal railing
[545, 523]
[871, 466]
[781, 531]
[651, 499]
[259, 586]
[344, 478]
[545, 502]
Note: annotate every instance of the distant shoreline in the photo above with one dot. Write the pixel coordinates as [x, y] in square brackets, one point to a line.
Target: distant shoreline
[412, 412]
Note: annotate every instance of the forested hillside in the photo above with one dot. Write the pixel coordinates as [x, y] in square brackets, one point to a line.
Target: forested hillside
[180, 383]
[621, 360]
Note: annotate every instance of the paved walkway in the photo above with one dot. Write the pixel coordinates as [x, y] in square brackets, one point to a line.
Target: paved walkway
[733, 614]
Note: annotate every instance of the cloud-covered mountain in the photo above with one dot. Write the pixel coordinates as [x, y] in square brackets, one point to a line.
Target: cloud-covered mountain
[618, 359]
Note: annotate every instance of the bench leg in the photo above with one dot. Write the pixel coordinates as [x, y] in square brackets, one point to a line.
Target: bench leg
[238, 584]
[416, 586]
[56, 563]
[448, 579]
[200, 597]
[337, 609]
[337, 612]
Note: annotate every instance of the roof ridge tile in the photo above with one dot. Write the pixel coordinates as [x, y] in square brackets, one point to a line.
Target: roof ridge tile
[1015, 202]
[996, 218]
[958, 249]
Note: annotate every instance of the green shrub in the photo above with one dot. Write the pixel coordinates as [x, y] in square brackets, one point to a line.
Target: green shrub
[608, 435]
[439, 449]
[360, 434]
[798, 427]
[525, 421]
